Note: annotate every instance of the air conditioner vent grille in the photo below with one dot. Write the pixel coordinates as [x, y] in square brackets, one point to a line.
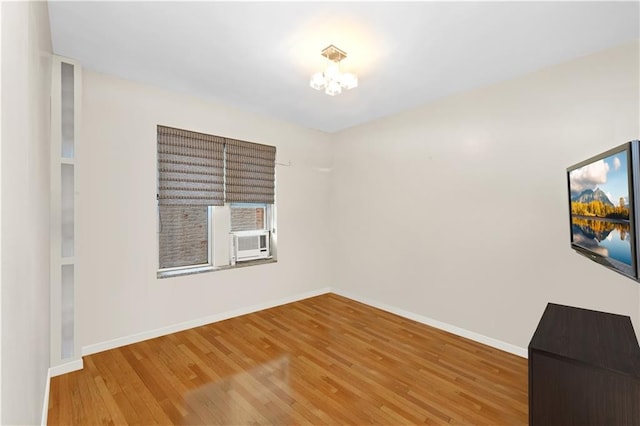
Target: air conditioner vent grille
[249, 243]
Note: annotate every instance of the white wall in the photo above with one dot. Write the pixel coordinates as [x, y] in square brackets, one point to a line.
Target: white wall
[118, 294]
[26, 79]
[0, 214]
[458, 211]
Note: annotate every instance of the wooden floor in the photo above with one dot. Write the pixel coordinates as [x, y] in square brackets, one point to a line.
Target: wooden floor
[324, 360]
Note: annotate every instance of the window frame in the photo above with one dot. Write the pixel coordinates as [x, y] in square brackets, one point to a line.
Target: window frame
[270, 225]
[269, 218]
[203, 266]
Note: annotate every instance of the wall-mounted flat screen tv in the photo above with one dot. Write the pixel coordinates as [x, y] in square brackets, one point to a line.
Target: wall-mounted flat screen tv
[602, 195]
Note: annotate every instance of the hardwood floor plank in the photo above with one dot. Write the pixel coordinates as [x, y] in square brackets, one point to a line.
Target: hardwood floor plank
[142, 388]
[108, 402]
[54, 400]
[87, 393]
[323, 360]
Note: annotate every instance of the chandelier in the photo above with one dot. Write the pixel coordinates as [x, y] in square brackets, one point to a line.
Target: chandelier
[331, 80]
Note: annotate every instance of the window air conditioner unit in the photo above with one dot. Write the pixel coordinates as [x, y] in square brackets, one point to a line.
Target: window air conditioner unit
[251, 245]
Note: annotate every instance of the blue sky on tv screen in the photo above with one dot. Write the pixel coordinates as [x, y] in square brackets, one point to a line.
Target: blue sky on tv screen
[609, 175]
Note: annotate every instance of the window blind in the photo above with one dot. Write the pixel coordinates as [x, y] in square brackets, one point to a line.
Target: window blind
[250, 172]
[190, 168]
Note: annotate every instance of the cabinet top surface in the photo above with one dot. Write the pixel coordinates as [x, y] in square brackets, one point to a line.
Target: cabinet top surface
[597, 338]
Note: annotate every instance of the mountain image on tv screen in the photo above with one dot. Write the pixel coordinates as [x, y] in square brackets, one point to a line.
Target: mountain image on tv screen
[600, 209]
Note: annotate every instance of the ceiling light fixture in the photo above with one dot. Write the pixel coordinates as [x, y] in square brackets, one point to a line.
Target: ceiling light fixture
[331, 80]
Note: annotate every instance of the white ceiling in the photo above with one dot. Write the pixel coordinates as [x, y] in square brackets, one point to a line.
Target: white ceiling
[258, 56]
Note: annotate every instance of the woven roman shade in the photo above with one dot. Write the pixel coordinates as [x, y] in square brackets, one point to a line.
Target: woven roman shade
[190, 168]
[250, 172]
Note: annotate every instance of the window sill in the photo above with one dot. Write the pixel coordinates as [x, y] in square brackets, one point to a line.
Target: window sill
[202, 269]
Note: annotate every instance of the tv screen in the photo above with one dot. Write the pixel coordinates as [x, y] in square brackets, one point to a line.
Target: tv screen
[601, 200]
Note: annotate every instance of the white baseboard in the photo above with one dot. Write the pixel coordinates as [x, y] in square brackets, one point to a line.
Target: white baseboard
[489, 341]
[45, 403]
[65, 368]
[139, 337]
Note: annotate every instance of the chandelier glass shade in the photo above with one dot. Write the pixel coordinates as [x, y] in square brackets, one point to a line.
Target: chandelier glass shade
[332, 80]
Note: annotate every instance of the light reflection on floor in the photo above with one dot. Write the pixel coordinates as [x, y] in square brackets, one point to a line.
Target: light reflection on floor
[251, 397]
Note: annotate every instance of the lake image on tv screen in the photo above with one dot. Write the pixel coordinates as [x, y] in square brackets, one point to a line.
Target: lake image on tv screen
[600, 209]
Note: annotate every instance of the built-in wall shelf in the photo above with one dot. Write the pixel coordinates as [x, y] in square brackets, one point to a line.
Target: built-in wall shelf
[65, 126]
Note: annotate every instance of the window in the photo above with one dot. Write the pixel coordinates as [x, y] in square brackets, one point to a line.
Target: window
[215, 197]
[248, 217]
[184, 236]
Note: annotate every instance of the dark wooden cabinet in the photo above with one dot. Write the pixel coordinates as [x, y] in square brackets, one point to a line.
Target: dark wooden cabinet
[584, 369]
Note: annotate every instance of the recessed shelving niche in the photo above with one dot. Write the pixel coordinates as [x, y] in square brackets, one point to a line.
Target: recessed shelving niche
[65, 124]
